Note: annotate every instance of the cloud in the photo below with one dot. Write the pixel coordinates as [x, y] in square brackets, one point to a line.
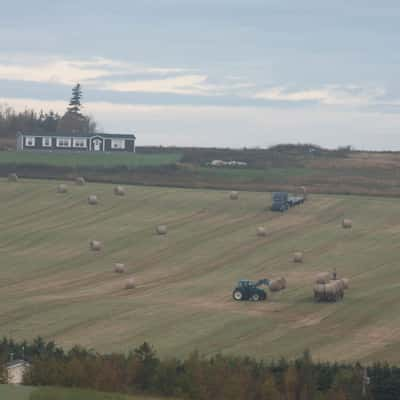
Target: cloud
[185, 84]
[118, 76]
[118, 80]
[345, 95]
[69, 71]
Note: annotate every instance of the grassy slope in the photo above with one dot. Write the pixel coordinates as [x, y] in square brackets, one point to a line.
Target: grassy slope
[87, 160]
[51, 285]
[11, 392]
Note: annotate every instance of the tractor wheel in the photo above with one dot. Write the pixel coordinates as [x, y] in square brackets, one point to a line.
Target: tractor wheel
[237, 295]
[255, 297]
[263, 296]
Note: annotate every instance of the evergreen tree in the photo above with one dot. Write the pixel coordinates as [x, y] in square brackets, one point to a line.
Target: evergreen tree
[75, 102]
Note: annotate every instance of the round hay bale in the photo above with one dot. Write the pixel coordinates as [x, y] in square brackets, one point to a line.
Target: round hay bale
[130, 284]
[333, 291]
[62, 188]
[95, 245]
[80, 181]
[319, 290]
[12, 177]
[278, 284]
[234, 195]
[275, 285]
[323, 277]
[346, 283]
[347, 223]
[161, 230]
[298, 257]
[339, 284]
[261, 231]
[119, 268]
[92, 199]
[119, 191]
[283, 282]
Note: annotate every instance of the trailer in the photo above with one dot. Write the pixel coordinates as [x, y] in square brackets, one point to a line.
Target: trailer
[282, 201]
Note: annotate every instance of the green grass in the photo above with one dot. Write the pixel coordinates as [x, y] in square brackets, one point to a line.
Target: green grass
[106, 160]
[52, 285]
[79, 394]
[17, 392]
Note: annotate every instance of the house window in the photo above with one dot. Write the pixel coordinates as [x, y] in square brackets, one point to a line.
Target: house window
[30, 141]
[46, 141]
[63, 142]
[118, 143]
[80, 143]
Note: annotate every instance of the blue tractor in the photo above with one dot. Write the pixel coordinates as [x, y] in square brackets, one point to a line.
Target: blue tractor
[280, 201]
[249, 290]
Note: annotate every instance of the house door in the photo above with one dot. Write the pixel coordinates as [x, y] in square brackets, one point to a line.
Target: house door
[97, 144]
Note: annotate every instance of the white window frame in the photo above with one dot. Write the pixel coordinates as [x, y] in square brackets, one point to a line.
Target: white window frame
[30, 141]
[64, 142]
[118, 144]
[80, 143]
[44, 141]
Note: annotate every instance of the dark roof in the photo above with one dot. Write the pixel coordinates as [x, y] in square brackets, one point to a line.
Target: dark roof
[76, 134]
[14, 363]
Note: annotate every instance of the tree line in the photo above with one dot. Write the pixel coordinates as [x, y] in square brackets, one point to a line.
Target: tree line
[218, 377]
[29, 120]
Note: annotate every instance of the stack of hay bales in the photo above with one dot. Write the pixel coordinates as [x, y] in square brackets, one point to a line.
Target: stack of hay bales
[347, 223]
[298, 257]
[12, 177]
[95, 245]
[261, 231]
[161, 230]
[329, 290]
[275, 285]
[130, 284]
[234, 195]
[92, 199]
[62, 188]
[119, 268]
[80, 181]
[119, 191]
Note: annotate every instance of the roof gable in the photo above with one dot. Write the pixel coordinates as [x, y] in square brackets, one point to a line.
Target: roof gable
[16, 363]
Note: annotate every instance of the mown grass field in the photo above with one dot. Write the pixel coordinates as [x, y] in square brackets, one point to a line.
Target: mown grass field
[12, 392]
[52, 285]
[82, 160]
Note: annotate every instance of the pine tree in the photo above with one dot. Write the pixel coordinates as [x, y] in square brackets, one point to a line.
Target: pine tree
[75, 102]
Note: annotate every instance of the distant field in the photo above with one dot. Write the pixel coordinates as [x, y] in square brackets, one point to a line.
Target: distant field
[11, 392]
[356, 173]
[52, 285]
[77, 160]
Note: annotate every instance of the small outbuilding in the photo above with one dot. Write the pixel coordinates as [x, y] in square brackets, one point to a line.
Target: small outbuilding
[15, 371]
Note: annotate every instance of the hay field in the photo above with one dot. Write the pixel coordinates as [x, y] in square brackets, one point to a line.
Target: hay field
[52, 285]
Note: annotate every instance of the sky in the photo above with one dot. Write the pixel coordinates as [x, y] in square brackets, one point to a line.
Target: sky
[215, 73]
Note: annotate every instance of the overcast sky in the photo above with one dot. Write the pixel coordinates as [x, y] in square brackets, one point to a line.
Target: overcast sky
[212, 72]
